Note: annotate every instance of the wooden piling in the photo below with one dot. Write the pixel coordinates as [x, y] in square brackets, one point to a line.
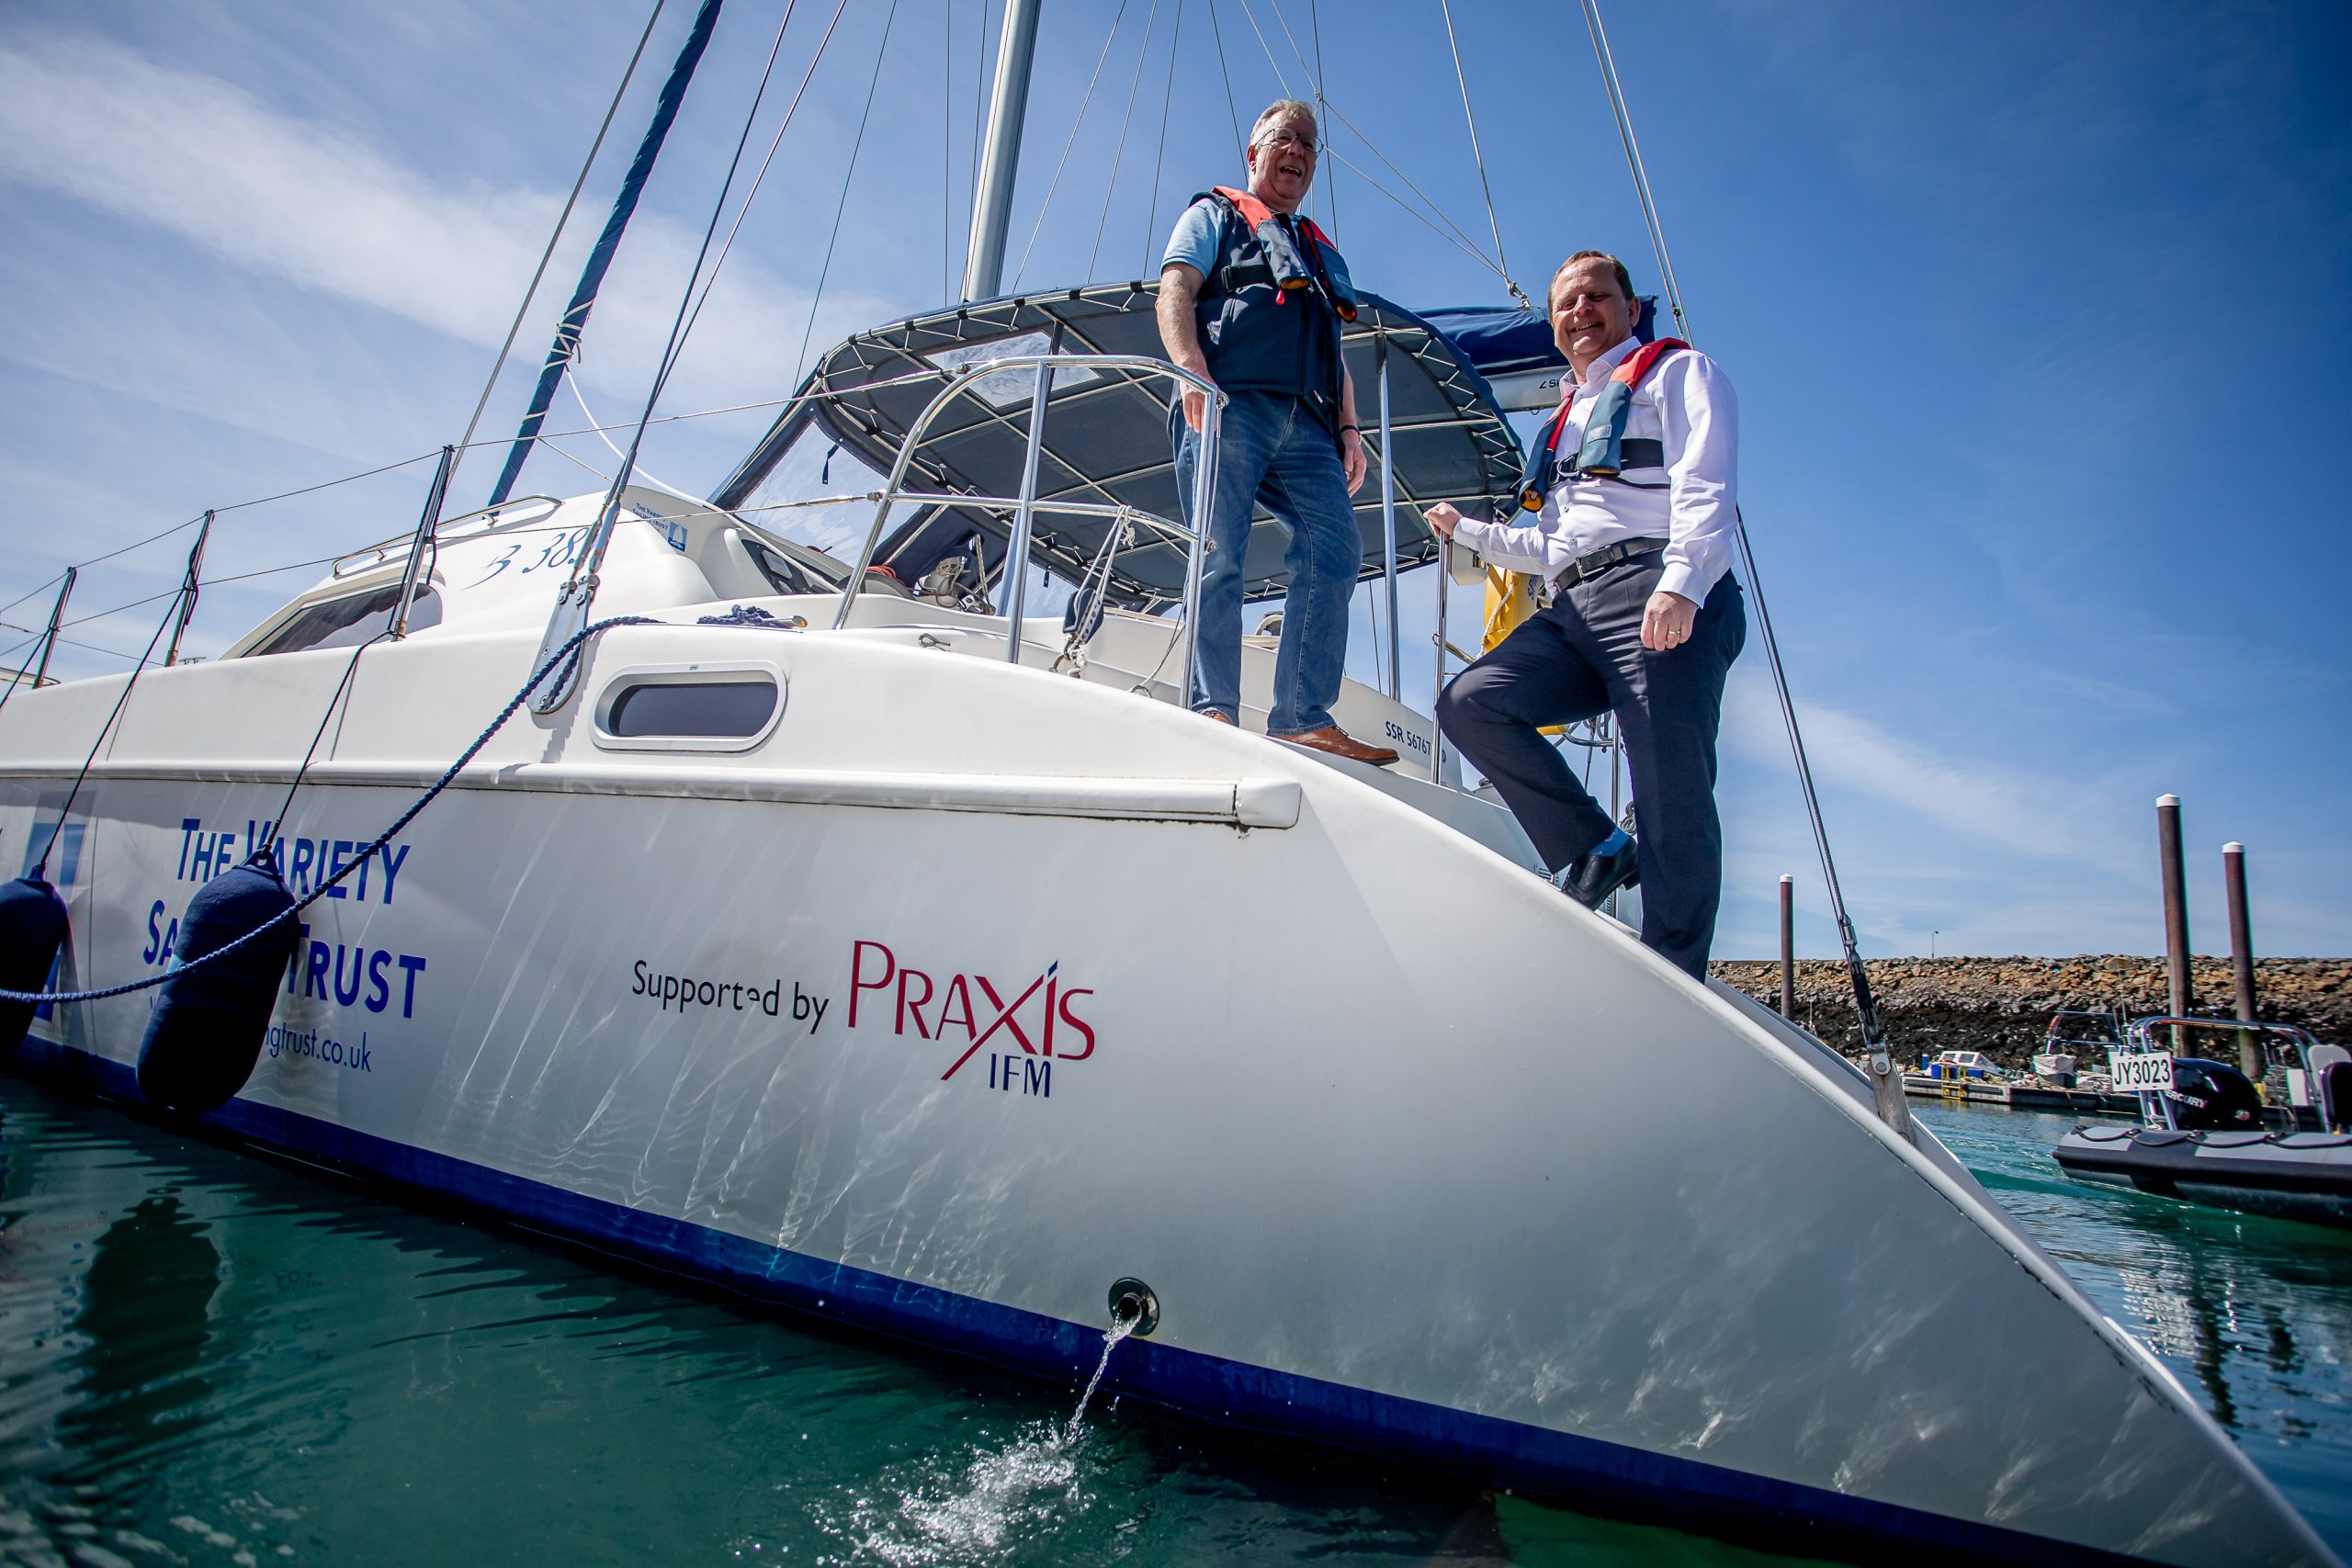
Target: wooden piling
[1788, 948]
[2250, 1055]
[2175, 911]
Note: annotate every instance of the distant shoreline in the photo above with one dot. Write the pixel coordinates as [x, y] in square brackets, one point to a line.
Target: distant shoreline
[2002, 1006]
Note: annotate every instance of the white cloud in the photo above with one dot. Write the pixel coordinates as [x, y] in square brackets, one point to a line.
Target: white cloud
[206, 160]
[2041, 816]
[312, 203]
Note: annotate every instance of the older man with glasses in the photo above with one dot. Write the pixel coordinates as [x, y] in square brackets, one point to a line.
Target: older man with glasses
[1251, 297]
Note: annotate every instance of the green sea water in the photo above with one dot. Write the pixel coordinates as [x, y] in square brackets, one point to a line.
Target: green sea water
[212, 1357]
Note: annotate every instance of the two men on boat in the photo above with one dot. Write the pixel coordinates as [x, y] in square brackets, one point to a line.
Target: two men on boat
[1251, 297]
[1632, 488]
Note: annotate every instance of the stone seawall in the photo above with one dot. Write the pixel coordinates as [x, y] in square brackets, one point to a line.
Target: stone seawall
[2002, 1006]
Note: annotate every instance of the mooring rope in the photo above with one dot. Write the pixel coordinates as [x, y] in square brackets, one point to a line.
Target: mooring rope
[41, 867]
[448, 777]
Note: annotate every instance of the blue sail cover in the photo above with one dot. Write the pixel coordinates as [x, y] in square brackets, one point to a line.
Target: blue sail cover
[591, 277]
[1514, 351]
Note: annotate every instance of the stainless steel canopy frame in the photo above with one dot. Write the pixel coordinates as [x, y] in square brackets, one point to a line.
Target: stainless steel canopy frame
[1109, 440]
[1026, 505]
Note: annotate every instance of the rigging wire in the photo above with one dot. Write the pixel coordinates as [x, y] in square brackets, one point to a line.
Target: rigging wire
[43, 587]
[1231, 110]
[1119, 152]
[1055, 183]
[1159, 154]
[979, 119]
[1451, 231]
[1463, 246]
[1461, 235]
[573, 383]
[774, 141]
[77, 642]
[1331, 186]
[848, 176]
[180, 528]
[1480, 158]
[172, 591]
[333, 702]
[562, 220]
[40, 869]
[946, 148]
[585, 467]
[1633, 161]
[1315, 86]
[1280, 80]
[1866, 1011]
[585, 565]
[313, 490]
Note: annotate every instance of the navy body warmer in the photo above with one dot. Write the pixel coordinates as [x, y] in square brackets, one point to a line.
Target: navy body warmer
[1268, 312]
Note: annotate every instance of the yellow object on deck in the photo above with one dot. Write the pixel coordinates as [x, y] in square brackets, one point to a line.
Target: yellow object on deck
[1510, 599]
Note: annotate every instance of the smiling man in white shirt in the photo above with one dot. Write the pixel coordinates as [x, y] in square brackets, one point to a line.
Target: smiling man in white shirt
[1633, 535]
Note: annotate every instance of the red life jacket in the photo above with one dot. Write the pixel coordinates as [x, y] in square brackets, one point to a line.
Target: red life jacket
[1602, 455]
[1290, 271]
[1266, 314]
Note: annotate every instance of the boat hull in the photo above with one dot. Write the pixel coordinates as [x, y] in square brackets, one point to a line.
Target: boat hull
[2293, 1175]
[1193, 1008]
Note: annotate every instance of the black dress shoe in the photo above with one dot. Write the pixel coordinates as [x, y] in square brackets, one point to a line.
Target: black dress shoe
[1591, 879]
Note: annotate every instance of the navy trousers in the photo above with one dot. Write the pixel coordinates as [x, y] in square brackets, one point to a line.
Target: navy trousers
[1583, 657]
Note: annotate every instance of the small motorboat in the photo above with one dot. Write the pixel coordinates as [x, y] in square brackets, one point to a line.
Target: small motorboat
[2205, 1139]
[2072, 1036]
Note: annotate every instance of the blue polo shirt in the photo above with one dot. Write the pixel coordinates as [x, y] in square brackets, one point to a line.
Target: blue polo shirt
[1193, 240]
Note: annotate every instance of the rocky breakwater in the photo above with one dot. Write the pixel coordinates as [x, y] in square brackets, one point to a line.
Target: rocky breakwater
[2002, 1006]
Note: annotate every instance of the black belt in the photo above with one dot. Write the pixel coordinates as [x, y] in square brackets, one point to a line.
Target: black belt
[1594, 562]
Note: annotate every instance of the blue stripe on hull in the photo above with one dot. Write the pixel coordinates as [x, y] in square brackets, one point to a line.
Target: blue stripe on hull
[1603, 1478]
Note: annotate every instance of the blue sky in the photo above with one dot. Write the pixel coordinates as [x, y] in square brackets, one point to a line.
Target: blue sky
[2037, 315]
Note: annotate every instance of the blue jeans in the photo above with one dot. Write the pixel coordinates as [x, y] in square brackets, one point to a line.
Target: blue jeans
[1271, 450]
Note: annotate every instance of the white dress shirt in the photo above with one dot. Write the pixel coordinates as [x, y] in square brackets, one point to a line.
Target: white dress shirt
[1685, 402]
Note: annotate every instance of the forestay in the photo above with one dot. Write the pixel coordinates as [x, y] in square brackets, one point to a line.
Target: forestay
[1106, 435]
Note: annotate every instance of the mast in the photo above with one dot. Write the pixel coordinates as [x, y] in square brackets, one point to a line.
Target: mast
[591, 277]
[992, 203]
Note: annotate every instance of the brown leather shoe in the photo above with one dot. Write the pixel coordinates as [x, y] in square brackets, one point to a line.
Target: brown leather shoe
[1339, 743]
[1217, 713]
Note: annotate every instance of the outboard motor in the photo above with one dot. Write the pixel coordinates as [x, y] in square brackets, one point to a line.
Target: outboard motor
[209, 1022]
[32, 928]
[2208, 1095]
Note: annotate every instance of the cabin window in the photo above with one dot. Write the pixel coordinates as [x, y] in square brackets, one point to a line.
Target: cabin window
[350, 620]
[788, 572]
[690, 708]
[706, 708]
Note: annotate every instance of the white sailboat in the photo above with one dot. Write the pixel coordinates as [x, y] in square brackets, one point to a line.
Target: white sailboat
[891, 955]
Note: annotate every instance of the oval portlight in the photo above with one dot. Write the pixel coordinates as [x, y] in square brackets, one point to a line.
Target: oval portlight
[733, 709]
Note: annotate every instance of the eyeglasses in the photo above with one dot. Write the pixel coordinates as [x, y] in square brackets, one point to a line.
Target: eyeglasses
[1305, 144]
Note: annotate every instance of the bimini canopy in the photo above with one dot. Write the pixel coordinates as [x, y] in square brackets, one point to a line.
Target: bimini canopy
[1106, 436]
[1514, 351]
